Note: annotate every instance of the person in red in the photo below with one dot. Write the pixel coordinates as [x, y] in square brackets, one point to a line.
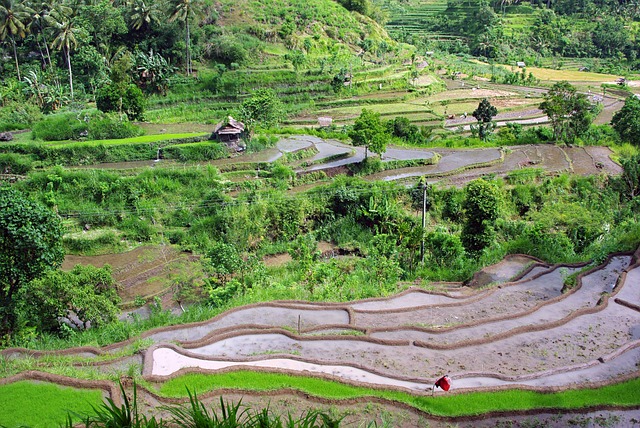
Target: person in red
[444, 382]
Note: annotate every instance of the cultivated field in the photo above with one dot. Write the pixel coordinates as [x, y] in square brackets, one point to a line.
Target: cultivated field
[515, 325]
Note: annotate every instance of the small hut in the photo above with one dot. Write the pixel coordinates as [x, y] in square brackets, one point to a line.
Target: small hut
[521, 64]
[229, 131]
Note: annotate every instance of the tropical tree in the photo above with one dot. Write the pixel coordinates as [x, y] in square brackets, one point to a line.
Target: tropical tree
[30, 245]
[484, 115]
[568, 111]
[152, 72]
[481, 208]
[36, 25]
[184, 10]
[144, 13]
[369, 131]
[12, 24]
[626, 121]
[65, 40]
[629, 180]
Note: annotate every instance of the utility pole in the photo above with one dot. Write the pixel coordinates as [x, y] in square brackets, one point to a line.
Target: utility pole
[424, 218]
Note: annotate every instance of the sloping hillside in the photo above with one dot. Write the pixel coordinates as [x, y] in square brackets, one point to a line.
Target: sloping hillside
[313, 26]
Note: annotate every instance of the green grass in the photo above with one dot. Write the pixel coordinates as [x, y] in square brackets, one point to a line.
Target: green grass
[43, 404]
[122, 141]
[453, 405]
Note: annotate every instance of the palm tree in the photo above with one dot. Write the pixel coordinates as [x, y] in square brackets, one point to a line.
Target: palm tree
[183, 10]
[65, 40]
[12, 19]
[143, 13]
[38, 21]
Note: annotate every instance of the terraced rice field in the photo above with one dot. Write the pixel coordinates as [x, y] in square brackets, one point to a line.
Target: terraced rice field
[515, 325]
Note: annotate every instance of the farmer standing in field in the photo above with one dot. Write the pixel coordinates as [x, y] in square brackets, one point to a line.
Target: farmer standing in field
[444, 382]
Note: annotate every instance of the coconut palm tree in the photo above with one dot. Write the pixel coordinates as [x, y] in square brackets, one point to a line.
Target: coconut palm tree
[12, 24]
[184, 10]
[65, 40]
[143, 13]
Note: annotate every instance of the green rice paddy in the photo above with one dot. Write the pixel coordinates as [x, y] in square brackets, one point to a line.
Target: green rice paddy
[452, 405]
[45, 405]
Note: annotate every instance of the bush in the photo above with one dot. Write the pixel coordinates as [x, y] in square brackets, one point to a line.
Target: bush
[370, 165]
[127, 99]
[15, 115]
[261, 142]
[535, 135]
[59, 128]
[227, 49]
[11, 163]
[136, 229]
[552, 247]
[109, 126]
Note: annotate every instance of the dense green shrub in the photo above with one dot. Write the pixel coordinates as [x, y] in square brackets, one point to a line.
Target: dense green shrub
[370, 165]
[227, 49]
[59, 128]
[12, 163]
[127, 99]
[110, 126]
[261, 142]
[18, 115]
[137, 229]
[550, 246]
[444, 248]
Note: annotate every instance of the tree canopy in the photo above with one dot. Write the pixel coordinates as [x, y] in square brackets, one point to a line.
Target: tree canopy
[30, 245]
[626, 121]
[484, 115]
[369, 131]
[264, 108]
[481, 208]
[568, 111]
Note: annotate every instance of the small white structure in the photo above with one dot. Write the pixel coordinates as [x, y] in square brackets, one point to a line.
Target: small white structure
[325, 122]
[521, 64]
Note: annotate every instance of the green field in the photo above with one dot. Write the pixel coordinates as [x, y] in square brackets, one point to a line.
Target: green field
[45, 405]
[452, 405]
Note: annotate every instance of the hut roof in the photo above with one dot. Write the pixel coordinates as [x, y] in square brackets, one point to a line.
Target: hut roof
[229, 126]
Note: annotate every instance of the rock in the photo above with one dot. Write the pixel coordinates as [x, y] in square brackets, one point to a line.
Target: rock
[6, 136]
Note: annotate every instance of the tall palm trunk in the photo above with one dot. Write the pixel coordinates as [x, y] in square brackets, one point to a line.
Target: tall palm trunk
[15, 55]
[68, 54]
[46, 46]
[188, 40]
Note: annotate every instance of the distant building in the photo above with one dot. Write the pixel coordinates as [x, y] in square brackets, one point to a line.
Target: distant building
[521, 64]
[230, 132]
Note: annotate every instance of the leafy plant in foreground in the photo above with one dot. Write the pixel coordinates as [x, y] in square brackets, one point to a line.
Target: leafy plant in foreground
[196, 415]
[110, 415]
